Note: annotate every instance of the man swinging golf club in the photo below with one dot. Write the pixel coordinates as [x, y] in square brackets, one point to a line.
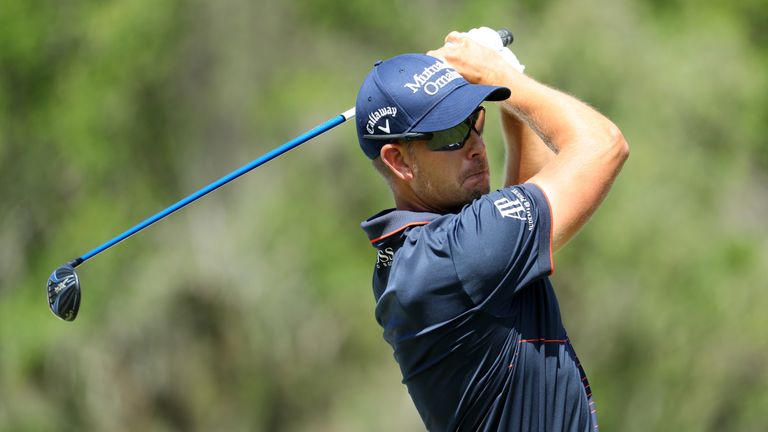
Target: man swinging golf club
[461, 279]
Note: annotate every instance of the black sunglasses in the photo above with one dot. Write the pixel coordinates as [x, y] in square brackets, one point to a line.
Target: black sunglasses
[445, 140]
[456, 137]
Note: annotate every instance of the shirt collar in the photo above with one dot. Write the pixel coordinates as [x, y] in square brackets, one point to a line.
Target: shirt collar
[390, 222]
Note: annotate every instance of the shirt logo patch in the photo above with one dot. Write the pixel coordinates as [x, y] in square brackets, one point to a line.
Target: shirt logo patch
[385, 257]
[510, 208]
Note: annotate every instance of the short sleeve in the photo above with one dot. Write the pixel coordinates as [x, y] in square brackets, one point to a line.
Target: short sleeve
[502, 242]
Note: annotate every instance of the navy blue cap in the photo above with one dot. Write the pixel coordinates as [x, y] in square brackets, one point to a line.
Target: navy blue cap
[415, 93]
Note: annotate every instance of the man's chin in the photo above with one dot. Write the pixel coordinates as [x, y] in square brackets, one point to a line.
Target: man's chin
[477, 193]
[474, 194]
[466, 196]
[479, 187]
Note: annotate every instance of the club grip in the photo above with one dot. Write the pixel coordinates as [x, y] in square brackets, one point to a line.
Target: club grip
[506, 36]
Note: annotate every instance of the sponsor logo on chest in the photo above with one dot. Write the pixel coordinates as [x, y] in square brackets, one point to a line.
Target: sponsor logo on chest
[385, 257]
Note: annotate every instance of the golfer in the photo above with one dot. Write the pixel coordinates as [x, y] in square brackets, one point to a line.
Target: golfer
[461, 279]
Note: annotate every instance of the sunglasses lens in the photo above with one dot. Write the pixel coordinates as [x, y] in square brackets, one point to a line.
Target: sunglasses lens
[449, 137]
[455, 137]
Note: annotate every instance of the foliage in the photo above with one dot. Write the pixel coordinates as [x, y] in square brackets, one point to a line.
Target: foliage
[252, 309]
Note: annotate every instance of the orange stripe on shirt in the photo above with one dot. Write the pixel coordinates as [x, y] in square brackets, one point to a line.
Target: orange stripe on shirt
[551, 232]
[545, 340]
[398, 230]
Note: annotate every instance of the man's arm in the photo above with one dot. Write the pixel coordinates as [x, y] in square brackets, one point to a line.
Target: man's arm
[526, 152]
[590, 148]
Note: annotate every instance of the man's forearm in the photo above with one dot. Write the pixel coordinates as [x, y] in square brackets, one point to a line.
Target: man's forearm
[526, 152]
[558, 119]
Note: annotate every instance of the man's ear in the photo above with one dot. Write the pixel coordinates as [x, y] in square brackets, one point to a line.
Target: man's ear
[398, 160]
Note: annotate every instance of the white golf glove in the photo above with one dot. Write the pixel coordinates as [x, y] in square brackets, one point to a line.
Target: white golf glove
[490, 38]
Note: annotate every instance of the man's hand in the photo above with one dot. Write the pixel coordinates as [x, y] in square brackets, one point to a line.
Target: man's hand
[476, 62]
[492, 39]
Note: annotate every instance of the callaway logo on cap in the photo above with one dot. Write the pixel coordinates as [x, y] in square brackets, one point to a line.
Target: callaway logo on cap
[414, 93]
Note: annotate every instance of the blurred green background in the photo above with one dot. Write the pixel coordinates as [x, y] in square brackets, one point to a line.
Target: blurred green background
[252, 309]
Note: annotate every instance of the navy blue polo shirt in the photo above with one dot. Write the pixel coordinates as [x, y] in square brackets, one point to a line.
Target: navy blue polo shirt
[466, 304]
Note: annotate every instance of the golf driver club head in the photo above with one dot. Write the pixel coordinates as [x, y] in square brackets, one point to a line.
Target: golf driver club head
[64, 292]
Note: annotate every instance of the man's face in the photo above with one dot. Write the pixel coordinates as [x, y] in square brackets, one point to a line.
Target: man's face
[447, 180]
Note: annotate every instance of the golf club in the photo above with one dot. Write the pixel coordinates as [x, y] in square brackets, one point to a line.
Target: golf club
[64, 286]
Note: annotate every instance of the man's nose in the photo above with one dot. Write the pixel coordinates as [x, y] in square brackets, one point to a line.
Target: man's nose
[475, 145]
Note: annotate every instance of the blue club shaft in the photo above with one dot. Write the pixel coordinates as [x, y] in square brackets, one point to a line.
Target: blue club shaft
[320, 129]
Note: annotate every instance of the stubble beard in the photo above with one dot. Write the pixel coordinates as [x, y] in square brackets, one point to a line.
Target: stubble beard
[451, 200]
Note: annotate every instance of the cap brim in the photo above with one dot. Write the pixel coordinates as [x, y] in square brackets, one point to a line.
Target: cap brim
[459, 105]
